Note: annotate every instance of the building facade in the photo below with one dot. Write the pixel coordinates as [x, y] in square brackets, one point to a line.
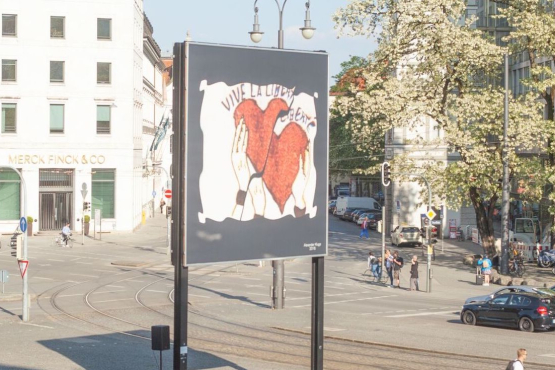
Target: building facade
[73, 105]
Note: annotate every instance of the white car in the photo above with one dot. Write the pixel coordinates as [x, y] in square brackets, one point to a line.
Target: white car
[406, 235]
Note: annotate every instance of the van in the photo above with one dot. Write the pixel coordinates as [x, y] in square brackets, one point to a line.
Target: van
[342, 203]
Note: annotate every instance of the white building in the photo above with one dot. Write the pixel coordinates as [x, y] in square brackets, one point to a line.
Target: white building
[73, 101]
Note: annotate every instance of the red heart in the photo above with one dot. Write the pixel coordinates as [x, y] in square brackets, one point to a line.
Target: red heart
[277, 155]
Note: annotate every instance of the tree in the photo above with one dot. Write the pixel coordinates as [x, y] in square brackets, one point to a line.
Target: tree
[534, 38]
[432, 65]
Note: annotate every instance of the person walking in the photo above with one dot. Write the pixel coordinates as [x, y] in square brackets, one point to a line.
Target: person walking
[518, 363]
[371, 259]
[162, 204]
[66, 232]
[397, 266]
[364, 228]
[485, 264]
[414, 273]
[389, 266]
[377, 269]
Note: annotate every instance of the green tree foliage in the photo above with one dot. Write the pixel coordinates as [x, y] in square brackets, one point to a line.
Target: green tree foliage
[432, 67]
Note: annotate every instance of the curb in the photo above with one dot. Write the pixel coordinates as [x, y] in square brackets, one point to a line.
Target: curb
[129, 263]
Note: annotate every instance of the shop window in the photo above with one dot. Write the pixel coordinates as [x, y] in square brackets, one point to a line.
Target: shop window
[10, 187]
[104, 29]
[56, 118]
[103, 119]
[103, 73]
[56, 71]
[57, 27]
[9, 70]
[9, 118]
[103, 192]
[9, 25]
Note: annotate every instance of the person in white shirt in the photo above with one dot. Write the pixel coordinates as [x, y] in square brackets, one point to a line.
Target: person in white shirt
[66, 232]
[520, 357]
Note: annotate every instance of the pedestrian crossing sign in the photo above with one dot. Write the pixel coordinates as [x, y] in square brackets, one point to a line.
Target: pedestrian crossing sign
[431, 214]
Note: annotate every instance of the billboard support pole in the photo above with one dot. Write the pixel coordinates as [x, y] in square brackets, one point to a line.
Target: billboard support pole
[317, 330]
[181, 273]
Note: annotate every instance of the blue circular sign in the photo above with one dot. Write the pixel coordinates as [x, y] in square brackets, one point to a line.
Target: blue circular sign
[23, 224]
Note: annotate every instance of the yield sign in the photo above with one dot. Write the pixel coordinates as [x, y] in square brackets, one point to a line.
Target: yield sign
[431, 214]
[23, 266]
[168, 193]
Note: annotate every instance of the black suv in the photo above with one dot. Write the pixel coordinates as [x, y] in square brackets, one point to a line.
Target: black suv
[526, 311]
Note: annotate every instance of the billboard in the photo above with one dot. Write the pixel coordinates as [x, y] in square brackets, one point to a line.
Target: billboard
[256, 154]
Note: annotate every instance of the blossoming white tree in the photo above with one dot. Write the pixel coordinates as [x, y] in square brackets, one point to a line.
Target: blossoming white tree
[432, 64]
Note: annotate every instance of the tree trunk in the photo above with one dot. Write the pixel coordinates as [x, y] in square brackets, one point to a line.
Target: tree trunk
[550, 103]
[484, 220]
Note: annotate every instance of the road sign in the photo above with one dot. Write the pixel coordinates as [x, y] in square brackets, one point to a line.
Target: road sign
[23, 224]
[154, 193]
[168, 193]
[84, 190]
[431, 214]
[23, 266]
[4, 276]
[398, 203]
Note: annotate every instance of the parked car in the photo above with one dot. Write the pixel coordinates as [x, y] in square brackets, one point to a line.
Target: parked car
[331, 206]
[356, 214]
[348, 214]
[373, 219]
[511, 289]
[406, 235]
[526, 311]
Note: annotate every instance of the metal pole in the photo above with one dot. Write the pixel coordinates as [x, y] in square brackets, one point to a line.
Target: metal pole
[505, 193]
[181, 274]
[168, 186]
[317, 332]
[25, 292]
[383, 228]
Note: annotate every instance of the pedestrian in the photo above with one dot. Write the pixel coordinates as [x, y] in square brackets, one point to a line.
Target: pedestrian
[162, 204]
[485, 264]
[414, 273]
[389, 266]
[397, 266]
[371, 259]
[377, 269]
[518, 364]
[364, 228]
[66, 233]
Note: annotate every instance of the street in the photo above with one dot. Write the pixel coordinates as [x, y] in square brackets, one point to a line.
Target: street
[94, 306]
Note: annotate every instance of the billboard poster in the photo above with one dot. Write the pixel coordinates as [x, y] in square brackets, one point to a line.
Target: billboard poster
[256, 154]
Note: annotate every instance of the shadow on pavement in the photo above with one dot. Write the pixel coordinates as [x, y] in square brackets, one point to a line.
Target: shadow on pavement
[115, 351]
[229, 296]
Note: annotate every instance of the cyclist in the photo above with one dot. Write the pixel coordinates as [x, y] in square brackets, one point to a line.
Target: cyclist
[66, 232]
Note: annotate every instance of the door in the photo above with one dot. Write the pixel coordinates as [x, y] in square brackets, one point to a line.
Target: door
[55, 210]
[497, 312]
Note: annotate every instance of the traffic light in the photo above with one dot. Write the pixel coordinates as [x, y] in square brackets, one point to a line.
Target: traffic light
[386, 174]
[86, 206]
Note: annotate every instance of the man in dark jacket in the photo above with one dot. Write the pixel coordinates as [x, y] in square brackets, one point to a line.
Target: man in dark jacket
[397, 265]
[414, 273]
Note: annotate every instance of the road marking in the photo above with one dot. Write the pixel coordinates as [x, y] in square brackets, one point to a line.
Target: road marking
[196, 295]
[114, 300]
[38, 277]
[263, 295]
[48, 259]
[253, 286]
[110, 291]
[246, 278]
[103, 270]
[158, 291]
[548, 355]
[135, 281]
[115, 286]
[424, 314]
[45, 265]
[334, 287]
[349, 300]
[38, 326]
[297, 290]
[93, 276]
[68, 295]
[85, 263]
[327, 328]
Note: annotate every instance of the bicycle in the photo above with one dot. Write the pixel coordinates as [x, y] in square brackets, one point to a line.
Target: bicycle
[516, 266]
[59, 241]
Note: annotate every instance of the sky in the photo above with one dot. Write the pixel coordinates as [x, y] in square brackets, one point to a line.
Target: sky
[228, 22]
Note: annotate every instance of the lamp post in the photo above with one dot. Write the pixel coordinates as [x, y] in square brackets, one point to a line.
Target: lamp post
[277, 291]
[506, 184]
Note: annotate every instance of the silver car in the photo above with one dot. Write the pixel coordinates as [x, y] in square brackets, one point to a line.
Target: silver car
[406, 235]
[511, 289]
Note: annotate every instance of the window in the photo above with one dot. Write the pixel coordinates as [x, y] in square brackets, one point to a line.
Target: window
[56, 118]
[57, 27]
[57, 71]
[9, 25]
[9, 195]
[103, 192]
[9, 69]
[104, 29]
[8, 118]
[500, 300]
[103, 119]
[103, 75]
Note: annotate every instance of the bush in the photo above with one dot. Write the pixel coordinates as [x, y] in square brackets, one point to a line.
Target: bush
[87, 219]
[30, 220]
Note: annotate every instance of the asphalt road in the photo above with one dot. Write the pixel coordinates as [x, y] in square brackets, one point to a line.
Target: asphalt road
[91, 314]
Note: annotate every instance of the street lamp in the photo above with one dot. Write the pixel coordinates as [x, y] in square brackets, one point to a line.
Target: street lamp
[307, 30]
[256, 35]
